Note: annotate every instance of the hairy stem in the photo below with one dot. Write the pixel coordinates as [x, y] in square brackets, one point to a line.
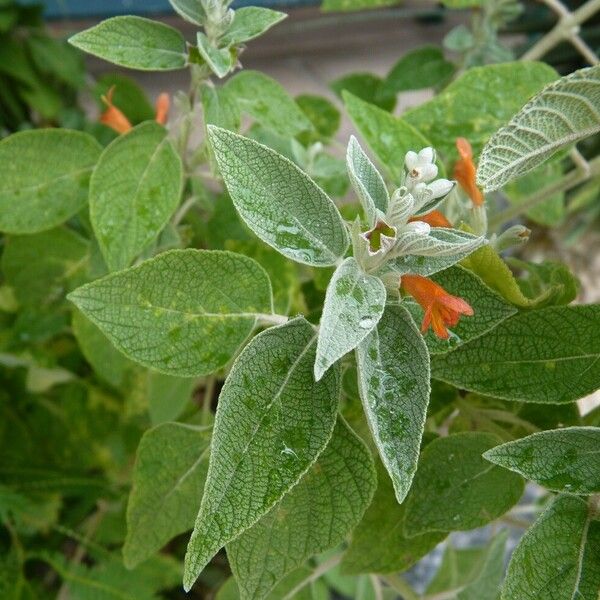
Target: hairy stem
[329, 564]
[399, 584]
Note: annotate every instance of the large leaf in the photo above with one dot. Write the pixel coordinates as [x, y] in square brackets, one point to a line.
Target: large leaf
[268, 103]
[379, 544]
[136, 43]
[279, 202]
[353, 306]
[185, 312]
[559, 557]
[550, 355]
[393, 367]
[564, 112]
[489, 309]
[315, 516]
[168, 479]
[389, 137]
[456, 489]
[563, 460]
[250, 22]
[45, 176]
[135, 188]
[273, 420]
[476, 104]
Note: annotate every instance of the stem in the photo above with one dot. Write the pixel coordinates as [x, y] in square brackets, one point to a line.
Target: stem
[183, 210]
[569, 181]
[209, 392]
[399, 584]
[268, 320]
[447, 595]
[329, 564]
[376, 587]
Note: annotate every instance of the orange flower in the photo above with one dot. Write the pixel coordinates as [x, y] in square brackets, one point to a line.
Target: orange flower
[163, 104]
[112, 116]
[434, 218]
[441, 308]
[465, 171]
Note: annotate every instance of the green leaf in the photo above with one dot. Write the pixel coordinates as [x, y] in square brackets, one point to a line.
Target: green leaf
[550, 355]
[185, 312]
[353, 306]
[220, 107]
[56, 58]
[167, 396]
[351, 5]
[135, 188]
[563, 460]
[489, 308]
[135, 43]
[279, 202]
[476, 104]
[367, 87]
[250, 22]
[422, 68]
[456, 489]
[366, 181]
[389, 137]
[41, 268]
[314, 516]
[267, 102]
[323, 115]
[190, 10]
[168, 479]
[273, 421]
[230, 590]
[393, 368]
[563, 113]
[219, 60]
[45, 176]
[559, 557]
[379, 544]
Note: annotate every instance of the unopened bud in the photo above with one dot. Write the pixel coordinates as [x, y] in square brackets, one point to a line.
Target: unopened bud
[517, 235]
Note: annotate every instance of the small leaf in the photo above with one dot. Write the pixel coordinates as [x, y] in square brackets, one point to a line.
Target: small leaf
[563, 113]
[190, 10]
[45, 176]
[389, 137]
[279, 202]
[366, 86]
[273, 421]
[456, 489]
[379, 544]
[219, 60]
[353, 306]
[185, 312]
[135, 188]
[135, 43]
[268, 103]
[220, 107]
[477, 103]
[393, 368]
[313, 517]
[249, 22]
[366, 181]
[422, 68]
[323, 115]
[559, 557]
[550, 355]
[168, 479]
[563, 460]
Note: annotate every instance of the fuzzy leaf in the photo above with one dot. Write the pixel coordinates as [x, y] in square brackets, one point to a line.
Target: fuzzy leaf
[168, 479]
[135, 188]
[279, 202]
[456, 489]
[550, 355]
[559, 557]
[314, 516]
[135, 43]
[393, 367]
[219, 60]
[185, 312]
[563, 113]
[45, 176]
[563, 460]
[273, 421]
[190, 10]
[220, 107]
[366, 181]
[354, 303]
[249, 22]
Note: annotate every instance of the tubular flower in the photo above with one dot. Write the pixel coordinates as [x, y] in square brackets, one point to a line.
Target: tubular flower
[465, 171]
[163, 103]
[112, 117]
[442, 310]
[435, 219]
